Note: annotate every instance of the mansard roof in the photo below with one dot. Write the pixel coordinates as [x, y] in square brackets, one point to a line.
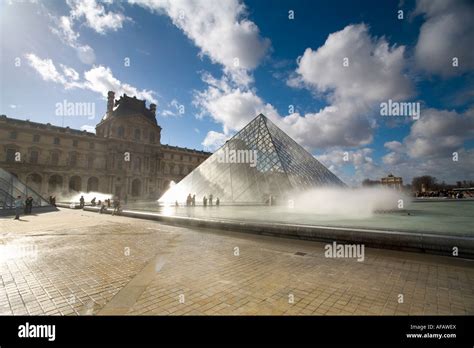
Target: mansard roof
[128, 106]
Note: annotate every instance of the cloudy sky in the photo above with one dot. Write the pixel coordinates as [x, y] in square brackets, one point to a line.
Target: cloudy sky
[319, 69]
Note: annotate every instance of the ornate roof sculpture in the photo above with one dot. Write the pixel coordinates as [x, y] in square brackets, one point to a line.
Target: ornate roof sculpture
[126, 106]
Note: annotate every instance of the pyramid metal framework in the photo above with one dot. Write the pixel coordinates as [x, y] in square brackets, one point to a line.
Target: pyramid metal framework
[282, 166]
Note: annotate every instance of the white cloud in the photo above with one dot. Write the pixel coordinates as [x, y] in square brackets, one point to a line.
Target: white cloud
[336, 125]
[63, 29]
[220, 29]
[214, 140]
[375, 72]
[447, 32]
[96, 16]
[395, 146]
[99, 79]
[232, 107]
[166, 113]
[70, 72]
[392, 158]
[178, 109]
[93, 15]
[360, 160]
[439, 132]
[428, 149]
[46, 69]
[443, 168]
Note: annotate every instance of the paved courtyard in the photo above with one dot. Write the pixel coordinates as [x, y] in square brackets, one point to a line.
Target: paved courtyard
[82, 263]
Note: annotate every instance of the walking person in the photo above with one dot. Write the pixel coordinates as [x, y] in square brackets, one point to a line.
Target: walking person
[193, 201]
[81, 202]
[188, 200]
[25, 206]
[18, 206]
[204, 201]
[210, 199]
[116, 206]
[29, 205]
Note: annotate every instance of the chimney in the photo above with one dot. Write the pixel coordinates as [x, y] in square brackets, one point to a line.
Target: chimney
[110, 102]
[153, 109]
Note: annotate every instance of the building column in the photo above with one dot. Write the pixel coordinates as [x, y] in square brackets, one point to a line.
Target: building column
[66, 183]
[128, 187]
[44, 185]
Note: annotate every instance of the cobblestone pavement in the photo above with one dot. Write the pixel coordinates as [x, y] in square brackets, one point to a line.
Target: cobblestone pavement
[78, 263]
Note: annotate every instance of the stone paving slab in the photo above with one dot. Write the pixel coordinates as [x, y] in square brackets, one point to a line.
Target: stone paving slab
[74, 262]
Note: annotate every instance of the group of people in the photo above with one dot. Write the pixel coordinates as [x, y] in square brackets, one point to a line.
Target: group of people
[27, 206]
[440, 193]
[191, 201]
[107, 203]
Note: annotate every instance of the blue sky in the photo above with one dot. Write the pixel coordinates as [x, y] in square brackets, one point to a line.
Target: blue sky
[223, 62]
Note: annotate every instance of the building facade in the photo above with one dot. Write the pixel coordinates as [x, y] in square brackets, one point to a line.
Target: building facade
[392, 181]
[124, 157]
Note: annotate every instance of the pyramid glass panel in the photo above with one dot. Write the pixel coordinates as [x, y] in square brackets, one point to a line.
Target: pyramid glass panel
[259, 161]
[11, 188]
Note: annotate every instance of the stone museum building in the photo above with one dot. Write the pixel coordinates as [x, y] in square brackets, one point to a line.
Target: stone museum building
[125, 157]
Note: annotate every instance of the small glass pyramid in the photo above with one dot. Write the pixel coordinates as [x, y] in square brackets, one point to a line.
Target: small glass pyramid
[11, 188]
[258, 162]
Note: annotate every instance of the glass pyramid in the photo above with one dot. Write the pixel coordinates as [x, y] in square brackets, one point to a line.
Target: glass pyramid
[11, 188]
[259, 161]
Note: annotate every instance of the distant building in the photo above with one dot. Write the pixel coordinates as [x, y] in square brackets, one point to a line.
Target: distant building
[392, 181]
[124, 157]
